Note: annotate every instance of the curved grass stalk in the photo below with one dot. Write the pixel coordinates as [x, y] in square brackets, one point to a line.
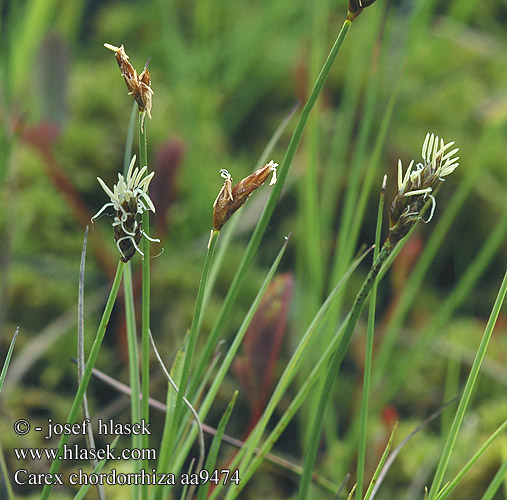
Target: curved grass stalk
[170, 433]
[215, 445]
[6, 476]
[467, 393]
[275, 460]
[392, 456]
[190, 407]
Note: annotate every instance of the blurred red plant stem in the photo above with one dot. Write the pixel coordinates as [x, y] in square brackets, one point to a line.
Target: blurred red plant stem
[41, 138]
[168, 160]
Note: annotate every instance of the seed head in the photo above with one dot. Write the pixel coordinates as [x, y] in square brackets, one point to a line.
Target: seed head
[139, 86]
[130, 199]
[415, 188]
[356, 7]
[230, 198]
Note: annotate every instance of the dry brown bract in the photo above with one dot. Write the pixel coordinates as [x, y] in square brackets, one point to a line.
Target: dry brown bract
[139, 86]
[230, 198]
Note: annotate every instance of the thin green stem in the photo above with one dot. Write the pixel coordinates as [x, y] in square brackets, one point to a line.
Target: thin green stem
[196, 320]
[467, 393]
[135, 401]
[8, 358]
[497, 481]
[363, 417]
[92, 358]
[339, 354]
[294, 364]
[448, 489]
[170, 439]
[227, 233]
[145, 319]
[260, 229]
[130, 319]
[6, 475]
[228, 359]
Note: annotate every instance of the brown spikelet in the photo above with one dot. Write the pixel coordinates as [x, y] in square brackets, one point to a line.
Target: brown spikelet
[139, 86]
[356, 7]
[230, 198]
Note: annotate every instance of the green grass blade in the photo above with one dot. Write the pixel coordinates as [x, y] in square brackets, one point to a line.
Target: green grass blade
[450, 304]
[363, 414]
[467, 393]
[6, 476]
[226, 363]
[379, 466]
[211, 460]
[338, 356]
[92, 358]
[351, 220]
[130, 319]
[8, 358]
[129, 141]
[310, 265]
[133, 354]
[32, 27]
[185, 489]
[97, 469]
[146, 290]
[450, 487]
[166, 451]
[90, 439]
[283, 171]
[284, 382]
[497, 481]
[190, 407]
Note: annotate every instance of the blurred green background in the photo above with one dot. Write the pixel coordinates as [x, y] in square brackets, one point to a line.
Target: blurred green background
[225, 74]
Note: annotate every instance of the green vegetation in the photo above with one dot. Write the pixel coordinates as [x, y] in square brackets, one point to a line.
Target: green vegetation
[260, 325]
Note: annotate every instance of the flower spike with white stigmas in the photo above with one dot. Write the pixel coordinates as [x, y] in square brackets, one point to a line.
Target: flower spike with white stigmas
[130, 199]
[418, 184]
[230, 199]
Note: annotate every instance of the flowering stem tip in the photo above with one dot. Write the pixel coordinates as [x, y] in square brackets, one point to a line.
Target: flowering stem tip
[139, 86]
[415, 188]
[130, 199]
[231, 198]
